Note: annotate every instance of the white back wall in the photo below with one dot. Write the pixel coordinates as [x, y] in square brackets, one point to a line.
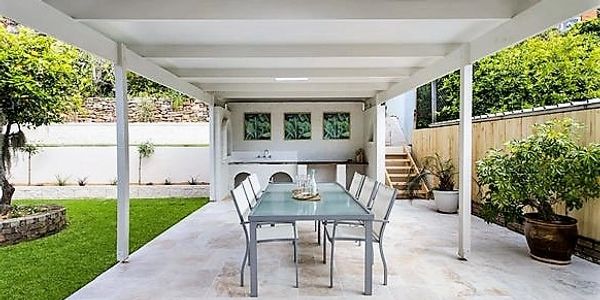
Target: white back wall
[317, 147]
[105, 133]
[89, 150]
[403, 107]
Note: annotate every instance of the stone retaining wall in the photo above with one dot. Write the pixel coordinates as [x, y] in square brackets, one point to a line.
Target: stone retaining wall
[102, 110]
[13, 231]
[110, 191]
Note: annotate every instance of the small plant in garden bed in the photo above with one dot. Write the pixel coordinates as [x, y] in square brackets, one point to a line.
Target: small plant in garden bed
[61, 180]
[193, 181]
[145, 150]
[82, 181]
[18, 211]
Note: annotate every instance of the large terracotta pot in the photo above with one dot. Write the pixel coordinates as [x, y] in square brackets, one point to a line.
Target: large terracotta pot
[446, 201]
[551, 242]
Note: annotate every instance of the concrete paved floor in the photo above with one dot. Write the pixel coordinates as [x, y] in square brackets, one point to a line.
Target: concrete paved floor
[199, 258]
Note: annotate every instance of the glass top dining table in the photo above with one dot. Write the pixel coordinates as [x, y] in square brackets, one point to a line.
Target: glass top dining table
[336, 203]
[277, 205]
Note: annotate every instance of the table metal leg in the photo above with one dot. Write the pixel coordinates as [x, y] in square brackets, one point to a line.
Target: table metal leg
[368, 257]
[253, 261]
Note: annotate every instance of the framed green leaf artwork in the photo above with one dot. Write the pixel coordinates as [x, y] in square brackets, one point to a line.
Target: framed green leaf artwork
[257, 126]
[336, 126]
[297, 126]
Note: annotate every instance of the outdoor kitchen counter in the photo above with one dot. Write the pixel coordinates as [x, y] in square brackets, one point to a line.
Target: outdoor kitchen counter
[296, 162]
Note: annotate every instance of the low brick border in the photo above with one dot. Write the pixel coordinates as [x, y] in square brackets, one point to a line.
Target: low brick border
[16, 230]
[587, 248]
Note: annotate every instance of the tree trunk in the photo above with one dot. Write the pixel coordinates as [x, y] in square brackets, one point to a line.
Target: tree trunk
[140, 170]
[29, 169]
[7, 192]
[7, 188]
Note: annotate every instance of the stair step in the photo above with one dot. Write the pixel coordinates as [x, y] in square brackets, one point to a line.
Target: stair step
[398, 167]
[403, 175]
[397, 160]
[396, 156]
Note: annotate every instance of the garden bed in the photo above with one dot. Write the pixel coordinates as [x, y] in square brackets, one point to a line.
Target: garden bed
[25, 223]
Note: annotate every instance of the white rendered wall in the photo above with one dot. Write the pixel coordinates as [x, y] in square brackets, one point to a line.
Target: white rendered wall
[403, 107]
[89, 150]
[316, 148]
[105, 133]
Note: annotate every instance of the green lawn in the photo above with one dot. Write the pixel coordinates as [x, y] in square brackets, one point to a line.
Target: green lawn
[58, 265]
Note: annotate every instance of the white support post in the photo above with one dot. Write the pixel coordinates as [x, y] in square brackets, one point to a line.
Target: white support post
[212, 153]
[464, 161]
[380, 142]
[340, 174]
[122, 156]
[433, 101]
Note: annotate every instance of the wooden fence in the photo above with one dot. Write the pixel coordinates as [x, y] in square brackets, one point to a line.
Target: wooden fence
[495, 133]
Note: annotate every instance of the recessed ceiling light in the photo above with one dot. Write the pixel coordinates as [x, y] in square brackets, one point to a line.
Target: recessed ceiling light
[291, 79]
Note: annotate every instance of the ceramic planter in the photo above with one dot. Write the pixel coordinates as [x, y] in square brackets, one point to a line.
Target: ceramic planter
[446, 201]
[551, 241]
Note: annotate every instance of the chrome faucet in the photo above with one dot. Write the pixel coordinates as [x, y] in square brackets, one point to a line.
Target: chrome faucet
[266, 154]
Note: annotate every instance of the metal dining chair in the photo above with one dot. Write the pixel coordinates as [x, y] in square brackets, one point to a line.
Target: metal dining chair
[252, 199]
[255, 185]
[356, 184]
[367, 192]
[282, 232]
[343, 231]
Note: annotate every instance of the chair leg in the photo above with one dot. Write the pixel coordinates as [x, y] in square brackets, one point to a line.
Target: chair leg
[243, 265]
[296, 261]
[295, 255]
[385, 270]
[324, 248]
[318, 232]
[331, 264]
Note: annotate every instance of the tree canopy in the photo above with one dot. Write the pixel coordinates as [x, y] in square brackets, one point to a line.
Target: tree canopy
[551, 68]
[39, 80]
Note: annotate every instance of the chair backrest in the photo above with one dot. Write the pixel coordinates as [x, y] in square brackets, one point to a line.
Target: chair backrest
[382, 207]
[255, 184]
[249, 192]
[367, 192]
[241, 202]
[356, 184]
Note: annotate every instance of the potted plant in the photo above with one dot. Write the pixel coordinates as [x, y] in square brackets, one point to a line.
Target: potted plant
[444, 194]
[528, 179]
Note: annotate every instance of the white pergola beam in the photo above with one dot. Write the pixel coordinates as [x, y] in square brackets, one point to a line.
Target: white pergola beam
[290, 9]
[296, 95]
[531, 21]
[283, 51]
[158, 74]
[45, 18]
[293, 87]
[198, 74]
[311, 80]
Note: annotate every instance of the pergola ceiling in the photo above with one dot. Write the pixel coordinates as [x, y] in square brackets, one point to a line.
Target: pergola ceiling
[343, 49]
